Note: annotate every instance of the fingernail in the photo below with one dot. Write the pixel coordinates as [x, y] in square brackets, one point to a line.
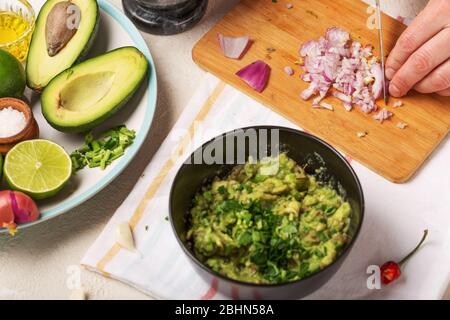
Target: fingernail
[390, 73]
[394, 90]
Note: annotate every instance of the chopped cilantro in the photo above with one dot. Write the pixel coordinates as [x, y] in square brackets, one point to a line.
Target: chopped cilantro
[103, 151]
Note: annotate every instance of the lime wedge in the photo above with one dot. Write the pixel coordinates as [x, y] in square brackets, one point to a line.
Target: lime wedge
[39, 168]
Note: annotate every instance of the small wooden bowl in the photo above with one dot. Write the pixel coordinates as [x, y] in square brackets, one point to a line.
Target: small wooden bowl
[31, 130]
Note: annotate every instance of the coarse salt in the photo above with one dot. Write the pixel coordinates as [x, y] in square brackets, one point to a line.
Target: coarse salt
[12, 122]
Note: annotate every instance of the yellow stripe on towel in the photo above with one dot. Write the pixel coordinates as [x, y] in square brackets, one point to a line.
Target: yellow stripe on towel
[156, 183]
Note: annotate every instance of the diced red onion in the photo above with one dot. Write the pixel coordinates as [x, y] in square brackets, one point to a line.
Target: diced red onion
[255, 75]
[335, 62]
[310, 49]
[324, 105]
[337, 37]
[308, 93]
[397, 104]
[384, 114]
[402, 125]
[377, 87]
[306, 77]
[343, 97]
[367, 51]
[289, 71]
[233, 47]
[348, 106]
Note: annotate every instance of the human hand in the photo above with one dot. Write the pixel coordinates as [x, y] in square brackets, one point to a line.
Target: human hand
[421, 58]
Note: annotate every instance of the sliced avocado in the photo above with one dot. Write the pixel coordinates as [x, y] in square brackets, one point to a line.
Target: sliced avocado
[85, 95]
[47, 57]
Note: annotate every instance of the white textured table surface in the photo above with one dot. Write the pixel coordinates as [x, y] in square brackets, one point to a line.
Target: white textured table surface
[36, 264]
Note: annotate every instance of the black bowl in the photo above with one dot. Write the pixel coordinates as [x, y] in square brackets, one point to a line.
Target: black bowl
[304, 149]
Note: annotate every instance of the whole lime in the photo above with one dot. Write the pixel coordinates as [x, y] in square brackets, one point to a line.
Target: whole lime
[12, 76]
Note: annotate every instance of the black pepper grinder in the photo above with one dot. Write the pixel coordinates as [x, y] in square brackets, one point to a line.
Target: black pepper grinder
[165, 17]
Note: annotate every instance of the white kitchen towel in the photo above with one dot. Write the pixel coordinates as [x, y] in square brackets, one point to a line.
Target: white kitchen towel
[395, 216]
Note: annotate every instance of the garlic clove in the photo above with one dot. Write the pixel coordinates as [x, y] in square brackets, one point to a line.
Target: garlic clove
[124, 236]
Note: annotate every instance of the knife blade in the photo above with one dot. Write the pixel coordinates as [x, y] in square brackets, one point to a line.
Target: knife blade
[380, 38]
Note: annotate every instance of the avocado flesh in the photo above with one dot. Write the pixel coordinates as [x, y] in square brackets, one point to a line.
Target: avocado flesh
[41, 68]
[85, 95]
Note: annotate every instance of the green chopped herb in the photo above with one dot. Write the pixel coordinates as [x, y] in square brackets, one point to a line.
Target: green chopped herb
[103, 151]
[268, 229]
[222, 190]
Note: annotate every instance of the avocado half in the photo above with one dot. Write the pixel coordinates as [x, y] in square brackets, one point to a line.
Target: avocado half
[41, 67]
[85, 95]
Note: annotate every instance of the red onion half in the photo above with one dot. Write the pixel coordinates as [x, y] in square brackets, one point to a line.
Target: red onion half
[16, 207]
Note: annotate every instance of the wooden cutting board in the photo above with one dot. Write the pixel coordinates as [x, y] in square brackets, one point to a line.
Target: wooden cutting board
[393, 153]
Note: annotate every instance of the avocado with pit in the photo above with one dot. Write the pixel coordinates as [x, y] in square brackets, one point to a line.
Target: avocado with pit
[64, 33]
[82, 97]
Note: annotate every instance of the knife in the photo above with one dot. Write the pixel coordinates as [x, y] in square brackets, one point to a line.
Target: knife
[380, 36]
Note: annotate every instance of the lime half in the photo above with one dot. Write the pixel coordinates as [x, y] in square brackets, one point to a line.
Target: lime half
[39, 168]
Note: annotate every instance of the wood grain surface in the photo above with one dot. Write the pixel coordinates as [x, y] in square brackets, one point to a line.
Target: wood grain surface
[394, 153]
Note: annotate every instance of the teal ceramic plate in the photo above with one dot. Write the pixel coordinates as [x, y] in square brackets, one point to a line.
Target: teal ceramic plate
[115, 31]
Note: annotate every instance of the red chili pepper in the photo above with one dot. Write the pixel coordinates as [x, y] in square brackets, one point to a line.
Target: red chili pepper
[391, 270]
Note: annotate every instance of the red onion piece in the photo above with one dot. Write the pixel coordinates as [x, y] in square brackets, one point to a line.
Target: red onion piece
[310, 49]
[343, 97]
[324, 105]
[377, 87]
[383, 115]
[256, 75]
[348, 106]
[288, 70]
[337, 37]
[233, 47]
[397, 104]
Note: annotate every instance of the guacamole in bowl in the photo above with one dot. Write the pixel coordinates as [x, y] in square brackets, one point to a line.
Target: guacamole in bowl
[268, 222]
[256, 225]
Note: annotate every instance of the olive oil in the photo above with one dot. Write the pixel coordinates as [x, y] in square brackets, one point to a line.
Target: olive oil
[12, 28]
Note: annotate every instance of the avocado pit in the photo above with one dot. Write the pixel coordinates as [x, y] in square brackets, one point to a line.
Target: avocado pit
[61, 25]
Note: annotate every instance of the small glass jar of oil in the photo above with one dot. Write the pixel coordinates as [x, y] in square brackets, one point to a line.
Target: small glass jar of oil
[16, 27]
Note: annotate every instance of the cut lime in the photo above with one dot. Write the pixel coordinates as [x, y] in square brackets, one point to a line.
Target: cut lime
[39, 168]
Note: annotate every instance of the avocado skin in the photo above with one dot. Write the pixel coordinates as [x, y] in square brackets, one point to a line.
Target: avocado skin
[83, 54]
[95, 122]
[90, 43]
